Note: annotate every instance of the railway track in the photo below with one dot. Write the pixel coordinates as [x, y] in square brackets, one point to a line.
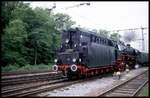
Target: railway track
[34, 89]
[28, 89]
[25, 84]
[34, 78]
[128, 88]
[29, 77]
[18, 83]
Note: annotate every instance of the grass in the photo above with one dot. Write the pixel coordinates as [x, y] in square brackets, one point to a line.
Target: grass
[10, 68]
[144, 91]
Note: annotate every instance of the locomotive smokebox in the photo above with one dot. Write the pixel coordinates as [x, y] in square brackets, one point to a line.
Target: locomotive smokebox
[68, 58]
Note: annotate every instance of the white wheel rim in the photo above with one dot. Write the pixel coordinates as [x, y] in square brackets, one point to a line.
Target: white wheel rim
[55, 67]
[74, 67]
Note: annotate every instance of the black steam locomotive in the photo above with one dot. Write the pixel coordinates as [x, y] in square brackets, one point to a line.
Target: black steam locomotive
[84, 54]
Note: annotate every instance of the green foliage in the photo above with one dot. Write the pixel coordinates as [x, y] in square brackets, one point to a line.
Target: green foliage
[10, 68]
[63, 21]
[101, 32]
[13, 41]
[28, 16]
[15, 67]
[144, 91]
[115, 36]
[7, 10]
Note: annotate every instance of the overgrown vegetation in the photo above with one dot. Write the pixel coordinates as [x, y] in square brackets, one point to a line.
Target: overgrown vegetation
[10, 68]
[144, 91]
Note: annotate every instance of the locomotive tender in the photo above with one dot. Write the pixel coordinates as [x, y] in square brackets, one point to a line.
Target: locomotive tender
[83, 53]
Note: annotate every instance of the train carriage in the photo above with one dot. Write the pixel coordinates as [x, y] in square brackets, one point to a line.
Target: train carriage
[142, 59]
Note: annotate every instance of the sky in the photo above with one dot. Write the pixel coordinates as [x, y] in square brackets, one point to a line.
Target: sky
[106, 15]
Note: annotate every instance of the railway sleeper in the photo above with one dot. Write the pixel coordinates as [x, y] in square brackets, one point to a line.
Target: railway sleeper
[126, 90]
[118, 94]
[133, 84]
[133, 87]
[139, 81]
[122, 91]
[130, 88]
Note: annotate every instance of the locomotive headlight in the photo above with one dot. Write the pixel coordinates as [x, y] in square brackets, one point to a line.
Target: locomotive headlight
[74, 60]
[127, 65]
[137, 66]
[55, 60]
[74, 67]
[55, 67]
[81, 36]
[75, 45]
[67, 40]
[80, 60]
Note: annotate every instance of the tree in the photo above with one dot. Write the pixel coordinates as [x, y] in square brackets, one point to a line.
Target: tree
[94, 31]
[28, 16]
[7, 9]
[63, 21]
[103, 33]
[116, 37]
[13, 42]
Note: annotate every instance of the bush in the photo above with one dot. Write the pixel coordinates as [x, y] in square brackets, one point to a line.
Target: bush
[27, 67]
[9, 68]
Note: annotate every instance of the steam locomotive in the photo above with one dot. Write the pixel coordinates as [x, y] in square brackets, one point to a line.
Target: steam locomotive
[85, 54]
